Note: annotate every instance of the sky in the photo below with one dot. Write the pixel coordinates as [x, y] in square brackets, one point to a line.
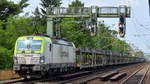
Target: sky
[138, 26]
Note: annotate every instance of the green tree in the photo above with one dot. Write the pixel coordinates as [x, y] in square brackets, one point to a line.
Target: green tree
[40, 16]
[76, 3]
[70, 31]
[74, 29]
[5, 59]
[139, 54]
[20, 26]
[38, 20]
[8, 8]
[49, 3]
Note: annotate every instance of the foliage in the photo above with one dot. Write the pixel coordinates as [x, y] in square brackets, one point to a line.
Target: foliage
[76, 3]
[76, 31]
[40, 17]
[139, 54]
[6, 58]
[8, 29]
[80, 35]
[105, 39]
[8, 8]
[71, 28]
[72, 32]
[38, 20]
[49, 3]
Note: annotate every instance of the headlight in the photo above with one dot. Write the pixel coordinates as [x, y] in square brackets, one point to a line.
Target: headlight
[42, 60]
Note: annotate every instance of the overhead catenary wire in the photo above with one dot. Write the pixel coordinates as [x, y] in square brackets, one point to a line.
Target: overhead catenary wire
[138, 30]
[140, 33]
[138, 27]
[137, 23]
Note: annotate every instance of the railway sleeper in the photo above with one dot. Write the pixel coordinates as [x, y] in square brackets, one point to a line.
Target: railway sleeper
[72, 75]
[90, 79]
[107, 76]
[118, 76]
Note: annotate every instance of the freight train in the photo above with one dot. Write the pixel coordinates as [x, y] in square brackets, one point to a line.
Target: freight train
[39, 55]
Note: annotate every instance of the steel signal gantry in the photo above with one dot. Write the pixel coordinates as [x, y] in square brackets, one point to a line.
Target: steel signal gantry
[92, 13]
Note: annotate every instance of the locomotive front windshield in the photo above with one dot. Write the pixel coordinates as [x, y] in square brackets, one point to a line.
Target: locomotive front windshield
[29, 45]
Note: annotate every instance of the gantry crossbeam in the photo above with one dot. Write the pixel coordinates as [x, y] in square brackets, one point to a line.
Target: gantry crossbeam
[101, 12]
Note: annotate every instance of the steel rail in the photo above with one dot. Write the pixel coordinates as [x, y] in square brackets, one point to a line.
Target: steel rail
[95, 75]
[142, 80]
[11, 81]
[134, 73]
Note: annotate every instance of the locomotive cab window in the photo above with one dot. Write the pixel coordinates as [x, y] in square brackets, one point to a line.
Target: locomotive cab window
[29, 45]
[35, 45]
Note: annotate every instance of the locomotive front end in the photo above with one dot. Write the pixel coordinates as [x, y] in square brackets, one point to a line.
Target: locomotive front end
[28, 55]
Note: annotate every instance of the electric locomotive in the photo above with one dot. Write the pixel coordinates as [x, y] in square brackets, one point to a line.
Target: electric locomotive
[36, 56]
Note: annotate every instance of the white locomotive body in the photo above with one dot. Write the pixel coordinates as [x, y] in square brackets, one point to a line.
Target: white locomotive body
[38, 54]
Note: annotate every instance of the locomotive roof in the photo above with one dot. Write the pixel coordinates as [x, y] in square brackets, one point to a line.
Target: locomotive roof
[54, 41]
[63, 42]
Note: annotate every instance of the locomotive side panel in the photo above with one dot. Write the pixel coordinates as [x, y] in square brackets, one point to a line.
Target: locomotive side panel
[63, 55]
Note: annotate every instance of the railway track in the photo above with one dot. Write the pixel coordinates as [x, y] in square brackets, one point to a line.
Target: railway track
[87, 78]
[80, 79]
[22, 81]
[138, 76]
[11, 81]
